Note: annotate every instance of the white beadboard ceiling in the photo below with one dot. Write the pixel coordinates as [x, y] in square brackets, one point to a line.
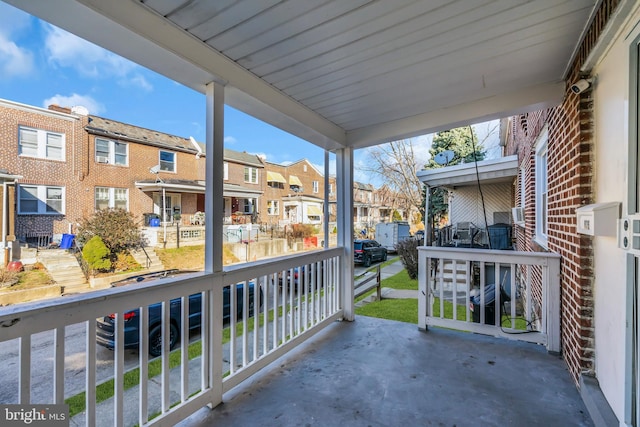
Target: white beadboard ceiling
[346, 72]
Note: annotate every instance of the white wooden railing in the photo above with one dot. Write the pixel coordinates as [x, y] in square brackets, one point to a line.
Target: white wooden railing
[455, 291]
[291, 312]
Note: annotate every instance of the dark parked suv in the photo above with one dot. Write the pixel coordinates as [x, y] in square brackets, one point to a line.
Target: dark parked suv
[105, 327]
[367, 251]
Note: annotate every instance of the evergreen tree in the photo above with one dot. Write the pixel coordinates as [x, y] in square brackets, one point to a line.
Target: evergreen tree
[466, 148]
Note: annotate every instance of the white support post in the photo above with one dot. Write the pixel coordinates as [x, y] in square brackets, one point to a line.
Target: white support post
[325, 204]
[427, 223]
[214, 218]
[423, 278]
[552, 281]
[344, 187]
[214, 215]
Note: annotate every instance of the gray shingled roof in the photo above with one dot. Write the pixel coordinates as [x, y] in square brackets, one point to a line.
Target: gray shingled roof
[123, 131]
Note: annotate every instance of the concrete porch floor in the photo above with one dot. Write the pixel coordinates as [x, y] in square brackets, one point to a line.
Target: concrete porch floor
[375, 372]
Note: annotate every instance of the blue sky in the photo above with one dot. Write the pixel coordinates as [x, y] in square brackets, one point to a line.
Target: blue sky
[41, 65]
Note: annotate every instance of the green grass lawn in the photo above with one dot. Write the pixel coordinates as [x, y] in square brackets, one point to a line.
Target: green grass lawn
[403, 310]
[406, 310]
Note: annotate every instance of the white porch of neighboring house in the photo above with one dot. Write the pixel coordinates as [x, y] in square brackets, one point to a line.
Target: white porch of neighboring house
[299, 209]
[480, 201]
[189, 229]
[343, 76]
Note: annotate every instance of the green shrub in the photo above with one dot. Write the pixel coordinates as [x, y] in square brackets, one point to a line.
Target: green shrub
[408, 251]
[96, 253]
[116, 227]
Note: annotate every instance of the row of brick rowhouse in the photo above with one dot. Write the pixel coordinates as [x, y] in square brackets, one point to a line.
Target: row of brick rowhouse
[59, 165]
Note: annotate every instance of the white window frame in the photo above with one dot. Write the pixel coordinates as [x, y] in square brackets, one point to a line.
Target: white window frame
[168, 165]
[316, 186]
[273, 207]
[542, 187]
[43, 143]
[111, 193]
[250, 175]
[41, 194]
[226, 171]
[249, 206]
[111, 156]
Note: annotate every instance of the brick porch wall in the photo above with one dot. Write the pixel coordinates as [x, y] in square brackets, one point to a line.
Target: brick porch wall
[570, 185]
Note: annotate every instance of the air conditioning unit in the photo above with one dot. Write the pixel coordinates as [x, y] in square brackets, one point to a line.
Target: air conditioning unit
[518, 216]
[102, 159]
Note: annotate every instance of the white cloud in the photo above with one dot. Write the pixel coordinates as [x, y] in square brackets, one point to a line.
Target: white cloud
[230, 140]
[66, 50]
[14, 60]
[12, 20]
[74, 100]
[138, 80]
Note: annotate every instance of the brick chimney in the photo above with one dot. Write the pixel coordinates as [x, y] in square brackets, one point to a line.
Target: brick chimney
[59, 109]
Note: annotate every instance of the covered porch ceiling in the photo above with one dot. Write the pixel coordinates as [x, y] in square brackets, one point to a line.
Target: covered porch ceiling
[346, 73]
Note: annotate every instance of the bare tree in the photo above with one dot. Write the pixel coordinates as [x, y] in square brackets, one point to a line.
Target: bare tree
[397, 165]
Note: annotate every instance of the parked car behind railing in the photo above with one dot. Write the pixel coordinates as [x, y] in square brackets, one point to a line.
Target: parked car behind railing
[105, 326]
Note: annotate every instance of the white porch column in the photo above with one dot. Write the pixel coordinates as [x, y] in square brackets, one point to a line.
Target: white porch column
[344, 187]
[427, 222]
[214, 216]
[325, 204]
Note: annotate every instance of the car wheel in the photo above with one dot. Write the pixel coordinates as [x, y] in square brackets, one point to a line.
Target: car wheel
[384, 257]
[367, 261]
[155, 339]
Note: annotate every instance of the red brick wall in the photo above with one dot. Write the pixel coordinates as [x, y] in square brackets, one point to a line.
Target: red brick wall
[570, 175]
[67, 173]
[276, 193]
[141, 159]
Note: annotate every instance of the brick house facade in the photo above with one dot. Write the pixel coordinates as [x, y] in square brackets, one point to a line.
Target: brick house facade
[71, 163]
[45, 148]
[294, 193]
[561, 140]
[104, 163]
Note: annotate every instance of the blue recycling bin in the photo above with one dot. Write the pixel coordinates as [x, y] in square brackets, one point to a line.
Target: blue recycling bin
[154, 222]
[67, 241]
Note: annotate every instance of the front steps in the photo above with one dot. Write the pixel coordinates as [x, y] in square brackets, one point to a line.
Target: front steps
[64, 269]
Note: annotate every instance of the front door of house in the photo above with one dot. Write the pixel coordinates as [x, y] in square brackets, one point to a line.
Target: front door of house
[171, 205]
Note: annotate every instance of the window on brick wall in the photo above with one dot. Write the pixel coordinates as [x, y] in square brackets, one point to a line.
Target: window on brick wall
[107, 197]
[248, 206]
[40, 200]
[167, 161]
[250, 175]
[542, 188]
[41, 143]
[225, 174]
[112, 152]
[273, 207]
[316, 186]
